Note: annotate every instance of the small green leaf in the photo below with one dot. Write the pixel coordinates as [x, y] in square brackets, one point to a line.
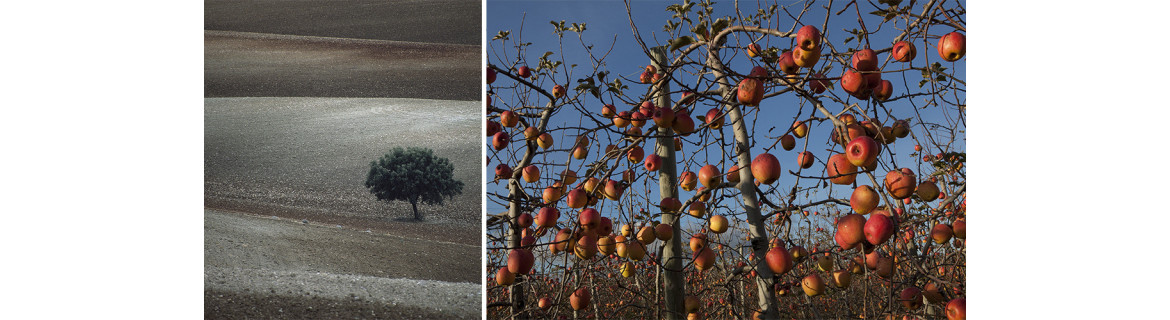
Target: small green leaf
[680, 42]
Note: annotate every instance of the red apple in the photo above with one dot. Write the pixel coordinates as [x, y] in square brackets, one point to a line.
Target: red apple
[704, 259]
[900, 183]
[503, 171]
[634, 132]
[808, 38]
[547, 217]
[545, 140]
[952, 46]
[812, 285]
[653, 162]
[606, 245]
[586, 247]
[878, 229]
[957, 309]
[804, 159]
[883, 91]
[683, 124]
[500, 140]
[959, 228]
[709, 176]
[638, 119]
[504, 277]
[928, 191]
[646, 235]
[635, 154]
[799, 129]
[786, 64]
[687, 180]
[590, 219]
[911, 298]
[569, 176]
[753, 50]
[840, 170]
[904, 51]
[664, 231]
[864, 199]
[842, 278]
[670, 205]
[613, 190]
[766, 168]
[577, 198]
[851, 228]
[697, 209]
[531, 173]
[551, 194]
[491, 75]
[523, 72]
[493, 128]
[805, 57]
[520, 261]
[758, 72]
[698, 241]
[779, 260]
[733, 174]
[750, 92]
[524, 220]
[558, 91]
[900, 129]
[579, 300]
[715, 118]
[663, 117]
[787, 142]
[622, 119]
[941, 233]
[865, 60]
[608, 111]
[718, 224]
[647, 108]
[861, 151]
[853, 82]
[509, 119]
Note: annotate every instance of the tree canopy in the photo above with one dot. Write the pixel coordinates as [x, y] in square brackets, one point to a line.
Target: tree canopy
[413, 175]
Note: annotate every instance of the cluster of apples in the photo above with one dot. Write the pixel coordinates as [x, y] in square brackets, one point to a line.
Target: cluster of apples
[863, 80]
[663, 117]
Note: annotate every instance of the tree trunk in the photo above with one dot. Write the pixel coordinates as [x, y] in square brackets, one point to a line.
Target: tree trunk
[516, 291]
[766, 297]
[414, 205]
[672, 249]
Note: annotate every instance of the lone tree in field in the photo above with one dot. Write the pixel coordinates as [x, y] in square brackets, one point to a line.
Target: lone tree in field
[413, 175]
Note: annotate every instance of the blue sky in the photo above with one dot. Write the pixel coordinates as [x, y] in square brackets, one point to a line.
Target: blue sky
[607, 19]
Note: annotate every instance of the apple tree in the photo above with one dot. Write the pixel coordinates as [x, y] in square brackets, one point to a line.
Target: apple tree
[797, 160]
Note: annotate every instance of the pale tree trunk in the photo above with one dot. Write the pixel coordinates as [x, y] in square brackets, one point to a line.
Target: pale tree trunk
[672, 249]
[516, 291]
[766, 298]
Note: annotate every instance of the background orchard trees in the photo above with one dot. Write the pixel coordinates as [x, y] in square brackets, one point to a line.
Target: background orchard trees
[790, 160]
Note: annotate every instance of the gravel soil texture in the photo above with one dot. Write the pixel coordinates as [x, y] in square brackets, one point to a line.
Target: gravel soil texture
[272, 267]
